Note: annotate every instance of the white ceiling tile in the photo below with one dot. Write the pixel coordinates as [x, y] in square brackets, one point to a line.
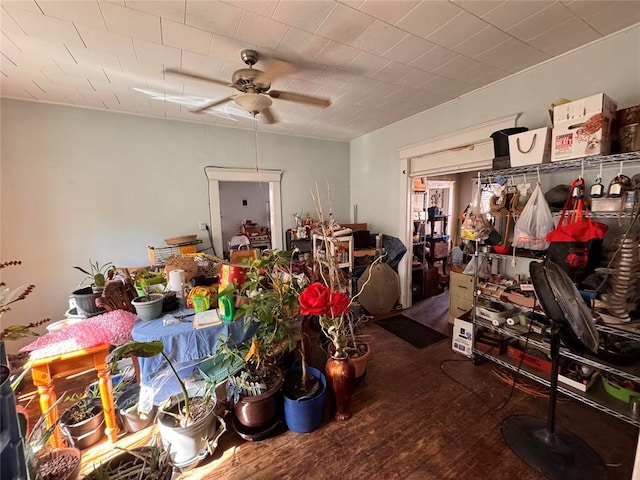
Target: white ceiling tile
[512, 55]
[264, 32]
[618, 16]
[392, 72]
[217, 17]
[8, 25]
[228, 49]
[434, 58]
[367, 64]
[168, 9]
[26, 5]
[478, 7]
[95, 39]
[46, 28]
[457, 30]
[564, 37]
[487, 38]
[511, 12]
[264, 8]
[546, 19]
[448, 87]
[482, 74]
[300, 44]
[183, 36]
[336, 55]
[344, 24]
[457, 68]
[306, 15]
[389, 11]
[427, 17]
[408, 49]
[361, 84]
[584, 8]
[81, 57]
[378, 38]
[125, 21]
[154, 53]
[415, 79]
[83, 13]
[206, 65]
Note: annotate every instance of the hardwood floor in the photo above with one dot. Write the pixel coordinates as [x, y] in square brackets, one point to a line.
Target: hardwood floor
[412, 420]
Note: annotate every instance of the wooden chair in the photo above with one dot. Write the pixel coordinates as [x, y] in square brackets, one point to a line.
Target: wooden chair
[117, 295]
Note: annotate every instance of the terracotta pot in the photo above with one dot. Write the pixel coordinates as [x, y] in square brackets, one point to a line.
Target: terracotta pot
[73, 472]
[261, 410]
[341, 376]
[360, 363]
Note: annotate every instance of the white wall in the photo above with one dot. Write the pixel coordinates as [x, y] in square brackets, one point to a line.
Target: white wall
[611, 66]
[79, 183]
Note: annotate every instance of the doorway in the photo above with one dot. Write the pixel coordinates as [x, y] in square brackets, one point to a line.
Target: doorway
[269, 178]
[432, 207]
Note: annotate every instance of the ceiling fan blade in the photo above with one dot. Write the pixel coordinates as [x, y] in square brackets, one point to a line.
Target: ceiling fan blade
[274, 69]
[197, 76]
[299, 97]
[212, 104]
[269, 116]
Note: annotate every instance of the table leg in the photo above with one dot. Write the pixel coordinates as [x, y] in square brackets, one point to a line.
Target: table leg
[106, 395]
[47, 400]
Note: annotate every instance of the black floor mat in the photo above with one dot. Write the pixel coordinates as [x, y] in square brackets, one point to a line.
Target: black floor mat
[410, 331]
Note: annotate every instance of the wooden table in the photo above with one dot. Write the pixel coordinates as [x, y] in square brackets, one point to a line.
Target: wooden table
[45, 370]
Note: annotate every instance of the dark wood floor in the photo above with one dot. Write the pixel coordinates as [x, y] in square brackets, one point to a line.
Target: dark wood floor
[413, 421]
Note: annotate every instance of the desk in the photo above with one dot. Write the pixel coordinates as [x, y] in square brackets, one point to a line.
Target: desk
[45, 370]
[183, 344]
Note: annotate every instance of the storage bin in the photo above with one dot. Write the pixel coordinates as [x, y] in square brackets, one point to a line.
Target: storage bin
[157, 255]
[531, 147]
[583, 127]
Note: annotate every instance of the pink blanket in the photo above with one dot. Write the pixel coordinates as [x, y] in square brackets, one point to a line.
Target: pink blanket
[111, 327]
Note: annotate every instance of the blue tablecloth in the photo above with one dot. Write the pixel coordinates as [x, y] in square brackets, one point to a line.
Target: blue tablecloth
[183, 344]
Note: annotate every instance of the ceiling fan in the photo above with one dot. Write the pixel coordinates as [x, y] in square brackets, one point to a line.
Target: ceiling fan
[254, 87]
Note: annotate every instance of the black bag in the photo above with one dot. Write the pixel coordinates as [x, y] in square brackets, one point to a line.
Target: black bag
[577, 259]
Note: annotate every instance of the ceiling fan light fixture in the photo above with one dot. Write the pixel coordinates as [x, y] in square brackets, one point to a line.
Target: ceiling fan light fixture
[253, 102]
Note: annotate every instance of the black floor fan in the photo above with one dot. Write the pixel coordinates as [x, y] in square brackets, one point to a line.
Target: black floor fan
[557, 454]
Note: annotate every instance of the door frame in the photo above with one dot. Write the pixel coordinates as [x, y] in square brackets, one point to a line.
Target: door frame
[215, 175]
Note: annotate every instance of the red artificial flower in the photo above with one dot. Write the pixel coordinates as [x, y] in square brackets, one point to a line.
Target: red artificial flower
[338, 304]
[314, 300]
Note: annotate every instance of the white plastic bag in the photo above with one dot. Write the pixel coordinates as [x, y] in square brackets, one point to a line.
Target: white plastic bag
[475, 225]
[534, 223]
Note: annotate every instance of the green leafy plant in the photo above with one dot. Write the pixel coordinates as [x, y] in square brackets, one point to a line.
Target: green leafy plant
[272, 291]
[97, 273]
[151, 349]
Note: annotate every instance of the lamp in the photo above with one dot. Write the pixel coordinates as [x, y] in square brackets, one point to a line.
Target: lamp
[253, 103]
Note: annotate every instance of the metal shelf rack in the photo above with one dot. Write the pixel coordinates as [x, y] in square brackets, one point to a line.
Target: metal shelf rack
[595, 397]
[575, 164]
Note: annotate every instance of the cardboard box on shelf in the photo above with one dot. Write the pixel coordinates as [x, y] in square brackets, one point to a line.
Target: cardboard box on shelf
[583, 127]
[579, 382]
[532, 357]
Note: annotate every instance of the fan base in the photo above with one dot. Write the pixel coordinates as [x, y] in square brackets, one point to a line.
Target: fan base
[560, 455]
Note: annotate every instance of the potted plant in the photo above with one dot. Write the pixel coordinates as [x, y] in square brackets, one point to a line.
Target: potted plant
[97, 274]
[187, 424]
[271, 291]
[304, 394]
[82, 423]
[150, 462]
[44, 463]
[12, 451]
[148, 306]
